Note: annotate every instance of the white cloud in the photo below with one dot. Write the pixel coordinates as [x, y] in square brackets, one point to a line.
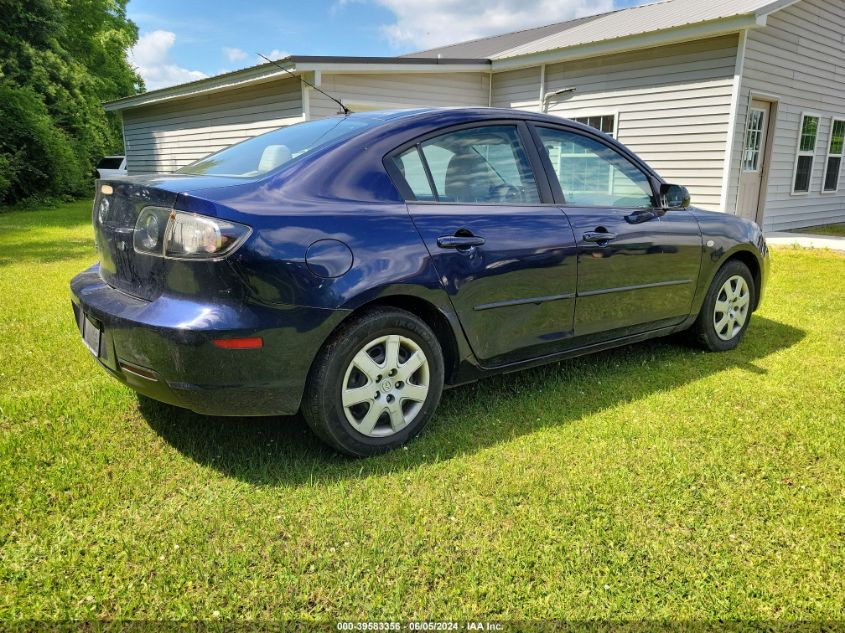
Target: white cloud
[151, 56]
[429, 23]
[274, 55]
[235, 54]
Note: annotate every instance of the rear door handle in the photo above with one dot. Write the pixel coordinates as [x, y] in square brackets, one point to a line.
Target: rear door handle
[596, 236]
[460, 241]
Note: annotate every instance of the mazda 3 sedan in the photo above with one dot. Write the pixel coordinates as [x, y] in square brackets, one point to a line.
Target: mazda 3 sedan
[352, 267]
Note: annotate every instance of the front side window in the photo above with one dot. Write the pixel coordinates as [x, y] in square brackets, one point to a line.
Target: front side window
[806, 153]
[592, 174]
[263, 154]
[833, 165]
[481, 165]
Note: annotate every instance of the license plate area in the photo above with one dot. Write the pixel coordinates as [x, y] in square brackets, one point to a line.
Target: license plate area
[92, 334]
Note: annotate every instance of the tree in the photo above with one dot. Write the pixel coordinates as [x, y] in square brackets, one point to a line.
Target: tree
[59, 60]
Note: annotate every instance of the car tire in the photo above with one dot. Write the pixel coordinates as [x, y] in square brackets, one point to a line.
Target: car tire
[727, 308]
[376, 382]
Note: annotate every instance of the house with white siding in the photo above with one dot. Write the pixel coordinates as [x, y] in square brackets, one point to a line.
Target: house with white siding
[742, 101]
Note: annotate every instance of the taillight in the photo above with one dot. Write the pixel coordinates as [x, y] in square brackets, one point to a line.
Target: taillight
[181, 235]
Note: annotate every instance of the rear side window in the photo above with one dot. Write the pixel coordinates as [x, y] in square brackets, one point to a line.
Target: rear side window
[410, 165]
[482, 165]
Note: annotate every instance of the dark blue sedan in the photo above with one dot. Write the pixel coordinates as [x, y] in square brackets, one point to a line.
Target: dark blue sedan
[352, 267]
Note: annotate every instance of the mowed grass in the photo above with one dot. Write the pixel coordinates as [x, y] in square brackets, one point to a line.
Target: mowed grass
[837, 230]
[654, 481]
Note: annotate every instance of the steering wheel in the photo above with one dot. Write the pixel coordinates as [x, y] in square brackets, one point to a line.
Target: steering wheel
[505, 192]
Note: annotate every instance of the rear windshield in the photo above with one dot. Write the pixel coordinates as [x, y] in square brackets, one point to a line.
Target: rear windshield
[270, 151]
[110, 162]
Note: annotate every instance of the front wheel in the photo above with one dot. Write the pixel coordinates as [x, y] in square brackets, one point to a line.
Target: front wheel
[727, 308]
[376, 384]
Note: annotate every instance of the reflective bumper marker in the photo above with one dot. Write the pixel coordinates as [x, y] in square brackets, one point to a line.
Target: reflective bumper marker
[239, 343]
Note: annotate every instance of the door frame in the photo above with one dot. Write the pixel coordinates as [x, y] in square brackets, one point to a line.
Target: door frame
[771, 126]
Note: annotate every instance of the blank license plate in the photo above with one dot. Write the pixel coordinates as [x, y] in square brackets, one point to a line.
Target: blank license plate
[91, 334]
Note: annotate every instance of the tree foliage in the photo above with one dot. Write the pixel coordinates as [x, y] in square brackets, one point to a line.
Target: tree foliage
[59, 60]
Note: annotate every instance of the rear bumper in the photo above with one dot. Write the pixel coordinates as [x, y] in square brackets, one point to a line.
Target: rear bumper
[163, 348]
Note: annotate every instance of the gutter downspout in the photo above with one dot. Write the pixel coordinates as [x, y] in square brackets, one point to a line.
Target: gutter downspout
[739, 68]
[542, 97]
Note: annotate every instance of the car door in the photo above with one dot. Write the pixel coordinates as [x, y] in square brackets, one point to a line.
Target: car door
[504, 252]
[637, 262]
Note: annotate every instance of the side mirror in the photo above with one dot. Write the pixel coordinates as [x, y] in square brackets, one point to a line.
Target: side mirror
[674, 197]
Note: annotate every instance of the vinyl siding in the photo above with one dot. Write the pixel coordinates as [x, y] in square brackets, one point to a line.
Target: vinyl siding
[163, 138]
[673, 105]
[371, 91]
[797, 59]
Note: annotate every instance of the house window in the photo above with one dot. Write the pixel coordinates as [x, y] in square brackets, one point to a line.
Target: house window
[604, 122]
[809, 131]
[833, 165]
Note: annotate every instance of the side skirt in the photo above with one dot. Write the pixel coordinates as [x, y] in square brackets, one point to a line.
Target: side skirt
[471, 373]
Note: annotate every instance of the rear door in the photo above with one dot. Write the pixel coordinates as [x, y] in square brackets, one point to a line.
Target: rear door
[503, 250]
[637, 263]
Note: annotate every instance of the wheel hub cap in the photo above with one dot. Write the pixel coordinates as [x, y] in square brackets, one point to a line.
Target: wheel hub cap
[377, 406]
[731, 310]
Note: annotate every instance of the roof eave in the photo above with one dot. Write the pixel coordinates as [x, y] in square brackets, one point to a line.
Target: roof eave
[255, 74]
[295, 64]
[675, 35]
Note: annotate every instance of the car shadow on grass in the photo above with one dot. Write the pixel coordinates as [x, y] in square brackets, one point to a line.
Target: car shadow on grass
[282, 451]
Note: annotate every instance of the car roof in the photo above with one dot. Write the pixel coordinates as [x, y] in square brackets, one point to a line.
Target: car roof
[471, 113]
[423, 117]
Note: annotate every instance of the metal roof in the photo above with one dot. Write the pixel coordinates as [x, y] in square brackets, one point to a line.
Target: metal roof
[648, 18]
[488, 47]
[640, 20]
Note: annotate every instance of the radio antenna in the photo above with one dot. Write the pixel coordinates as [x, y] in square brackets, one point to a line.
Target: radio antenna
[308, 83]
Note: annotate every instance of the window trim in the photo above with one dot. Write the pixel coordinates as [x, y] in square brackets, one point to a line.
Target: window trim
[614, 113]
[535, 164]
[828, 156]
[654, 180]
[799, 154]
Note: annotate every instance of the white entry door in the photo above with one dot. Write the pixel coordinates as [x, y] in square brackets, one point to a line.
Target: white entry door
[754, 161]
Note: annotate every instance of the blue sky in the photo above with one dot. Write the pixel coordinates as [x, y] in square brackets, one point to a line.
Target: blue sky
[183, 40]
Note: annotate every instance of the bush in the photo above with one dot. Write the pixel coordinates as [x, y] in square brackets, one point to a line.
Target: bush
[36, 157]
[58, 62]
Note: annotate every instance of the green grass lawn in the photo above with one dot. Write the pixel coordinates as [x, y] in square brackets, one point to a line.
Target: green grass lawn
[828, 229]
[655, 481]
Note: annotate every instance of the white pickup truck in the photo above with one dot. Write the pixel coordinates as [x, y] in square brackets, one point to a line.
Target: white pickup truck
[111, 166]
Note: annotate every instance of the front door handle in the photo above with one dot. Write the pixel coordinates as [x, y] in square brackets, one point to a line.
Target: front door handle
[599, 236]
[460, 241]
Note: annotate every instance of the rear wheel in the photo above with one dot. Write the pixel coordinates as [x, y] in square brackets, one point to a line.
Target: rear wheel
[727, 308]
[376, 384]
